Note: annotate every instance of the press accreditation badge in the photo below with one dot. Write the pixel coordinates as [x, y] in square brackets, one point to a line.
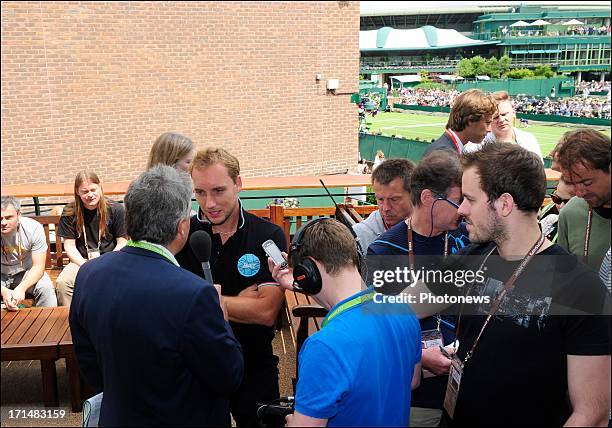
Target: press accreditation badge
[92, 254]
[431, 338]
[452, 387]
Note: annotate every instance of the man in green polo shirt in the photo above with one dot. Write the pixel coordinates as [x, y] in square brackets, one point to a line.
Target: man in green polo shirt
[584, 224]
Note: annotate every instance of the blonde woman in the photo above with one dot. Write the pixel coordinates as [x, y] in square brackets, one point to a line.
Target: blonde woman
[91, 225]
[172, 149]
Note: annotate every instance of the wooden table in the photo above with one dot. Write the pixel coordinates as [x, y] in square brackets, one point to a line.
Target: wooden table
[34, 334]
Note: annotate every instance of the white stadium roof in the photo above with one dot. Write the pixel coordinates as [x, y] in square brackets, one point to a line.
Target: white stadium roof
[426, 37]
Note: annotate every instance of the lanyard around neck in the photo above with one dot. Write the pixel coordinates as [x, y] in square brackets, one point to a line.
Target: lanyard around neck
[99, 237]
[153, 248]
[508, 286]
[355, 301]
[587, 236]
[411, 245]
[453, 137]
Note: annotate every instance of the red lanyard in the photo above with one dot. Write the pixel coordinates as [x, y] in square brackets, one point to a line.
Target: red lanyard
[454, 138]
[508, 286]
[411, 246]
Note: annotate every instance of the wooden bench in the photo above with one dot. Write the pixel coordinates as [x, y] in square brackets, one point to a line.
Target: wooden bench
[34, 334]
[55, 249]
[304, 315]
[286, 217]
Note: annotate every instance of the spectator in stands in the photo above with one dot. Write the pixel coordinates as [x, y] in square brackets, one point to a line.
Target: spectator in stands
[358, 370]
[574, 107]
[380, 156]
[432, 230]
[584, 224]
[91, 225]
[549, 215]
[147, 333]
[547, 338]
[504, 130]
[24, 253]
[593, 86]
[238, 264]
[569, 107]
[362, 166]
[469, 121]
[428, 97]
[172, 149]
[391, 185]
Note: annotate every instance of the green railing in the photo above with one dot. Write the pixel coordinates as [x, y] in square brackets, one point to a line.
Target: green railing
[394, 147]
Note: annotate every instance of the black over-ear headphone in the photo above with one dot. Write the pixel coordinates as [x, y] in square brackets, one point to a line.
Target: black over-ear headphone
[306, 275]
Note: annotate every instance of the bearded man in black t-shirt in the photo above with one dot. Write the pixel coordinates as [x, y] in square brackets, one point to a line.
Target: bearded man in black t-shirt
[543, 335]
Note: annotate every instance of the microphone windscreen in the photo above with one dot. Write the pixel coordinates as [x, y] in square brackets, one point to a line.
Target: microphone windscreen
[201, 243]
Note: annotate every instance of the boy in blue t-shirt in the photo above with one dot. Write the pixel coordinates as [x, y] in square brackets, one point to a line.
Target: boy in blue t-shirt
[359, 369]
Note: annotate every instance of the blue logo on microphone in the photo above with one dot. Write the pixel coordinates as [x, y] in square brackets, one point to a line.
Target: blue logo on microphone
[248, 265]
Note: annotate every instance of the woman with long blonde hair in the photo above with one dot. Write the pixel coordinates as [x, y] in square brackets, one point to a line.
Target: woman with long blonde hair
[91, 225]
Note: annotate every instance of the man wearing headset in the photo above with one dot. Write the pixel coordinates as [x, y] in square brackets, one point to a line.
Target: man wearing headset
[433, 229]
[359, 369]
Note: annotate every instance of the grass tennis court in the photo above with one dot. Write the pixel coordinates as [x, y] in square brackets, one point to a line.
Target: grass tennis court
[427, 127]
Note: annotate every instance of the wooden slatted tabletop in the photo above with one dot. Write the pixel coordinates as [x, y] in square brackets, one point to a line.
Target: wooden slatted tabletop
[33, 333]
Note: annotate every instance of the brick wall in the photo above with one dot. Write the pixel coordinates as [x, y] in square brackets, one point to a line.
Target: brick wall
[91, 85]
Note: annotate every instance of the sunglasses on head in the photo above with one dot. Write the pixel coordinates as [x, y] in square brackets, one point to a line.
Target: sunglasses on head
[558, 200]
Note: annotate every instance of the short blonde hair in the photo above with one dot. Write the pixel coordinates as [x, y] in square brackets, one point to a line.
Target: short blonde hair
[213, 156]
[472, 105]
[168, 149]
[500, 96]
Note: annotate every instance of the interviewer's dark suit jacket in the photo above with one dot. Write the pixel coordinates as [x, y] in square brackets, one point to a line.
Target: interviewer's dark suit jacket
[442, 143]
[151, 335]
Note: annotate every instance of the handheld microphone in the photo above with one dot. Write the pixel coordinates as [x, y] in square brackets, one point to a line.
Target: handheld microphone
[201, 243]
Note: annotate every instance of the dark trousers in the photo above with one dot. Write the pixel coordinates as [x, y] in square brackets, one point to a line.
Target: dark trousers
[259, 386]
